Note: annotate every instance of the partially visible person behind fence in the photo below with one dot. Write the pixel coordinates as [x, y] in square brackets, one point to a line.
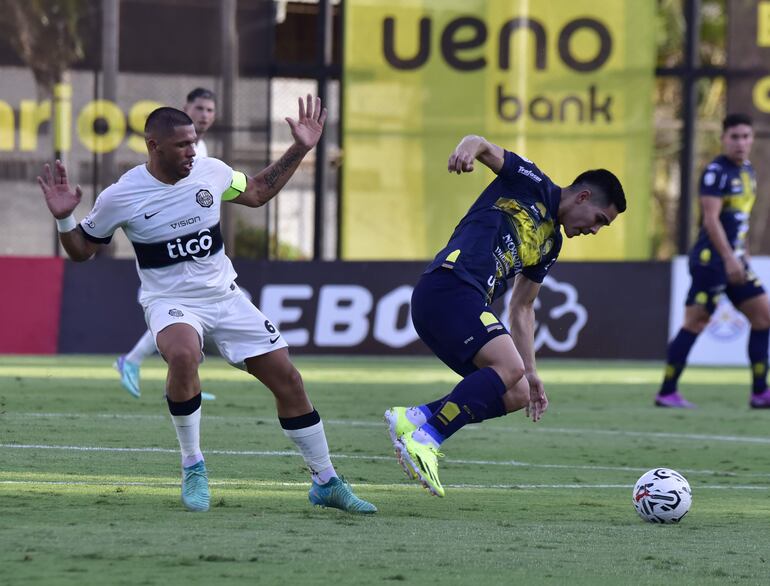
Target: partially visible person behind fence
[719, 265]
[201, 107]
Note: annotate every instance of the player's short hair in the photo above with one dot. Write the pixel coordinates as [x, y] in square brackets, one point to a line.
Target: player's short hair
[735, 119]
[162, 121]
[200, 92]
[607, 187]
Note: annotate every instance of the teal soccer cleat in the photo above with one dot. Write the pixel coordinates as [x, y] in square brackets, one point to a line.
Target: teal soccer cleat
[195, 487]
[129, 375]
[337, 494]
[208, 396]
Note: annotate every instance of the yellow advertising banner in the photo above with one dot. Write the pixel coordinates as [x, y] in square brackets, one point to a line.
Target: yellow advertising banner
[565, 83]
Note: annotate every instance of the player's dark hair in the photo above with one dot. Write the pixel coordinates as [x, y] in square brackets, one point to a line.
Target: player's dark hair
[200, 92]
[734, 120]
[607, 187]
[162, 121]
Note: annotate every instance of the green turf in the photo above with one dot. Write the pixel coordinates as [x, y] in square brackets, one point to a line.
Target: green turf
[546, 503]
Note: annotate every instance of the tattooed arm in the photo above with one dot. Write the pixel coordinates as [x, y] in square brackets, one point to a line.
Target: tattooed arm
[306, 132]
[263, 186]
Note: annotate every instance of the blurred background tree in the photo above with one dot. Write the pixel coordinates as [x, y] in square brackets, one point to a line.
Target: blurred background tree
[48, 37]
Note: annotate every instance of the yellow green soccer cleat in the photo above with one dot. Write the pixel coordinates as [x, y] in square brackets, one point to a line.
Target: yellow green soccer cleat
[398, 423]
[421, 461]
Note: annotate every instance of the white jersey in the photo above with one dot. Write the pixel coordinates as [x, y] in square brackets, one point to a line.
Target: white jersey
[201, 151]
[174, 229]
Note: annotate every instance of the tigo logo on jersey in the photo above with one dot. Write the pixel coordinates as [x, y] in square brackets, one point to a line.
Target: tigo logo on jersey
[204, 198]
[175, 312]
[190, 247]
[195, 246]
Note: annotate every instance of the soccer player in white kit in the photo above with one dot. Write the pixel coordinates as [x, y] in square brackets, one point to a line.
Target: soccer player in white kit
[169, 209]
[201, 107]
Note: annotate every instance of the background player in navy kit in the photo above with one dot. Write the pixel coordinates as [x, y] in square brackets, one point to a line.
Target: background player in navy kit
[512, 230]
[188, 288]
[719, 264]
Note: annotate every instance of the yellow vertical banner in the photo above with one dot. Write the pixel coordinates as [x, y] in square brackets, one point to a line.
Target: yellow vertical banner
[565, 83]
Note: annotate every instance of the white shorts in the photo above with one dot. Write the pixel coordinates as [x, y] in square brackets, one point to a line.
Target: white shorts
[233, 323]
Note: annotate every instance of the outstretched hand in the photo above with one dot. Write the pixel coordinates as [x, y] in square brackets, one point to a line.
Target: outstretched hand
[736, 272]
[60, 197]
[538, 402]
[307, 130]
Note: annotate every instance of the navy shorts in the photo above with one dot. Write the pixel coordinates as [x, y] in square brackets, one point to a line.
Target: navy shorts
[709, 283]
[453, 319]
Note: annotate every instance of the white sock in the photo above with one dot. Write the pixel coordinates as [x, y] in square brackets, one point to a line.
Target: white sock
[423, 437]
[144, 348]
[311, 443]
[415, 416]
[188, 432]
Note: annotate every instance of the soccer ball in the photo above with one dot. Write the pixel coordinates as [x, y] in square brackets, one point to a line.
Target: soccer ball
[662, 495]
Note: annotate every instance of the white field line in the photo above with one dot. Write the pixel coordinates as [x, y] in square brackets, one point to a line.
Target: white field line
[380, 424]
[283, 453]
[304, 485]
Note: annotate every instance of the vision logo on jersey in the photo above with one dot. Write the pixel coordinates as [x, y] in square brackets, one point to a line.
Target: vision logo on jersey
[204, 198]
[184, 222]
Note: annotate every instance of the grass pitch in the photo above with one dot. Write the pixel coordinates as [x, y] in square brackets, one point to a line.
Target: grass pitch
[89, 481]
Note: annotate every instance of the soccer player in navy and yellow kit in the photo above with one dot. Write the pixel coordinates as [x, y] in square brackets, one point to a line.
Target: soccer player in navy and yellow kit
[719, 264]
[512, 231]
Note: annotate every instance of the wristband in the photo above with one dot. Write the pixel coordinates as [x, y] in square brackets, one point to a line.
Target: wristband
[66, 224]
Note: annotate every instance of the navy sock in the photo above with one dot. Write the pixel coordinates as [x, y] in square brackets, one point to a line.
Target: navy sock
[185, 407]
[676, 359]
[758, 342]
[429, 409]
[479, 396]
[301, 421]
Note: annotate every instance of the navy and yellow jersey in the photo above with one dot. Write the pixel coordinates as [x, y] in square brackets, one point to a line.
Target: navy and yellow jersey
[510, 229]
[737, 186]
